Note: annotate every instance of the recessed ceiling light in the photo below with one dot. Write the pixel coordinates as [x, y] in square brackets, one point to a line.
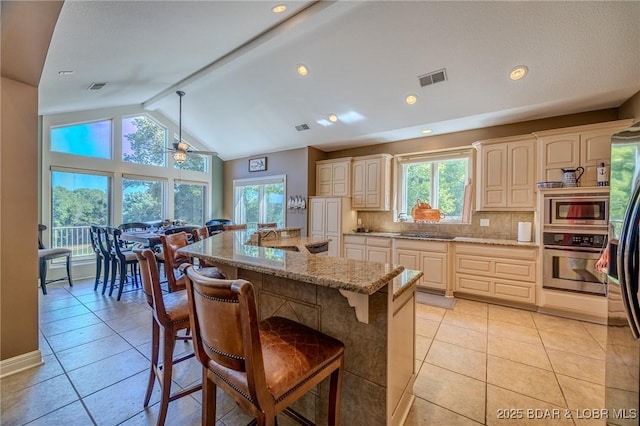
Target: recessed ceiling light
[518, 72]
[333, 118]
[65, 72]
[426, 131]
[302, 69]
[411, 99]
[279, 8]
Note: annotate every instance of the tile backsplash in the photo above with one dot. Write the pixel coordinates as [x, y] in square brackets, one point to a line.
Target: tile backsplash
[502, 225]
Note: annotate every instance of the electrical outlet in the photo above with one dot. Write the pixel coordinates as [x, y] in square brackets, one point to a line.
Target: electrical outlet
[484, 222]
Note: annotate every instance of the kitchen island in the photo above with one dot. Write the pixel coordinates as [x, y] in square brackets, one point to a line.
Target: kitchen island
[369, 306]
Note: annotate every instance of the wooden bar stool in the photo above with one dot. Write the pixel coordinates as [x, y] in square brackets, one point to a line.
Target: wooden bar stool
[264, 366]
[171, 314]
[172, 261]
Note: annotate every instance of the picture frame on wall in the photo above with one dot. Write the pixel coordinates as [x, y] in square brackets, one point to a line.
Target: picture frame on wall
[258, 164]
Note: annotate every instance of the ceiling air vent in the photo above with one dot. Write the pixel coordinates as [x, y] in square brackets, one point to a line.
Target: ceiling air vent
[96, 86]
[302, 127]
[433, 77]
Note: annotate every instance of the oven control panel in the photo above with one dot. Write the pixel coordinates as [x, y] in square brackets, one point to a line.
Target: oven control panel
[574, 240]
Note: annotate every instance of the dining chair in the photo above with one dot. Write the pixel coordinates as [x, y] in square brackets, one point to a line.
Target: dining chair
[121, 260]
[267, 225]
[172, 261]
[234, 227]
[95, 246]
[265, 366]
[198, 235]
[170, 316]
[45, 255]
[134, 226]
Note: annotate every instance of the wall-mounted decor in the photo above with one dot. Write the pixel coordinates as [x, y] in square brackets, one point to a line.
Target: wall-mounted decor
[258, 164]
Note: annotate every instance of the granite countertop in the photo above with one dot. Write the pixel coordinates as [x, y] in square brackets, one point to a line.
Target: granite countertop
[358, 276]
[472, 240]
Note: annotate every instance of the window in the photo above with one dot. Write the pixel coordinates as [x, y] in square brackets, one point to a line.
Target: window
[142, 199]
[143, 141]
[189, 201]
[259, 201]
[78, 199]
[436, 179]
[195, 162]
[87, 139]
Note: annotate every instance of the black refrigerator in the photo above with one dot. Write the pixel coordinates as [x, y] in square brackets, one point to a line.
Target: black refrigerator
[622, 376]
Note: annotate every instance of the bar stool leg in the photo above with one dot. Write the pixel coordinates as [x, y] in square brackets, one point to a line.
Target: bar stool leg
[69, 270]
[43, 275]
[208, 400]
[155, 349]
[165, 376]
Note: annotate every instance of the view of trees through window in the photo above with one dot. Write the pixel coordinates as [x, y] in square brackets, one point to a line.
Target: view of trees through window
[142, 200]
[259, 203]
[143, 141]
[77, 201]
[624, 162]
[189, 202]
[439, 183]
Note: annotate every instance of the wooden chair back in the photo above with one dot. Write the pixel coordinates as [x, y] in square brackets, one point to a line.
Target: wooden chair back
[200, 233]
[234, 227]
[150, 277]
[267, 225]
[170, 245]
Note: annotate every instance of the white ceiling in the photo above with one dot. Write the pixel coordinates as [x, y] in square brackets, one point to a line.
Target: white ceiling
[236, 62]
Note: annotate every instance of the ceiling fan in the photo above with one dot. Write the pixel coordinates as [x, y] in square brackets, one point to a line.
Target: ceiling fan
[181, 149]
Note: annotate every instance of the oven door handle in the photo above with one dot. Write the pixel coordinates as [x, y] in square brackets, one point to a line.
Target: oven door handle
[574, 249]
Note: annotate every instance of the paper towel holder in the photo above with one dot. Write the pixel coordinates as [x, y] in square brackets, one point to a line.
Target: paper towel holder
[524, 232]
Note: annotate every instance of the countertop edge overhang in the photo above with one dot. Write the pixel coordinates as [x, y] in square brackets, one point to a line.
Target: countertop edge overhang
[358, 276]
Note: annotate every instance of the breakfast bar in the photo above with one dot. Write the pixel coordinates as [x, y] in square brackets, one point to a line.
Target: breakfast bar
[370, 306]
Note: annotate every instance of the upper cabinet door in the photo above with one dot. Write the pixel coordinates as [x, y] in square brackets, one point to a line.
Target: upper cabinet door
[506, 174]
[595, 148]
[372, 182]
[558, 152]
[317, 210]
[333, 178]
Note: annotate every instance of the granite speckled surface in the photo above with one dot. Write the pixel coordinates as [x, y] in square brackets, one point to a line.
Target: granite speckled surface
[230, 248]
[490, 241]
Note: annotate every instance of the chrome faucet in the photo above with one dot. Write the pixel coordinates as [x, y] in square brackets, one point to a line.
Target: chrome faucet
[265, 233]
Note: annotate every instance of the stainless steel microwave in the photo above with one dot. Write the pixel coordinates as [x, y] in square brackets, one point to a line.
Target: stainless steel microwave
[588, 210]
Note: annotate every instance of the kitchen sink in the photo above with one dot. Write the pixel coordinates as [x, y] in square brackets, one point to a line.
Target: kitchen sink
[439, 237]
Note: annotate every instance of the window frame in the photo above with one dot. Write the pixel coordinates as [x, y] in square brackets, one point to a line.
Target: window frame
[434, 158]
[261, 181]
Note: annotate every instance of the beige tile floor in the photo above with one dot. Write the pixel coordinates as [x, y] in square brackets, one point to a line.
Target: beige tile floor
[475, 363]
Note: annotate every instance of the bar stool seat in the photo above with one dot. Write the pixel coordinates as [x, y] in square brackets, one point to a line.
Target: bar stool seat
[265, 366]
[45, 254]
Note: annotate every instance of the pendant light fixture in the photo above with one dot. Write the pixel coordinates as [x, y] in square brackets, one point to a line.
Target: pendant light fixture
[180, 153]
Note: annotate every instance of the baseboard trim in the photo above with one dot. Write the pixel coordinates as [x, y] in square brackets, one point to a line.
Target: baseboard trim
[19, 363]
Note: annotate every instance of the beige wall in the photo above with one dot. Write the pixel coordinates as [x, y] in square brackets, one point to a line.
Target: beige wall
[631, 108]
[293, 163]
[26, 32]
[438, 142]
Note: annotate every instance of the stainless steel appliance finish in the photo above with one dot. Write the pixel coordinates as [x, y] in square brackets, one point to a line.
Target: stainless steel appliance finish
[569, 262]
[622, 383]
[585, 210]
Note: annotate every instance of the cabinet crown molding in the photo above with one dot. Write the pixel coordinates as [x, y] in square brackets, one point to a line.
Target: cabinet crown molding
[506, 139]
[334, 160]
[618, 124]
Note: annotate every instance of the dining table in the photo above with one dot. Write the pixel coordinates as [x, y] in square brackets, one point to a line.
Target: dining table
[151, 238]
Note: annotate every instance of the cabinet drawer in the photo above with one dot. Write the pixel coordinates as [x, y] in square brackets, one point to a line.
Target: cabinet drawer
[379, 242]
[505, 252]
[355, 239]
[474, 265]
[515, 291]
[524, 271]
[422, 245]
[473, 284]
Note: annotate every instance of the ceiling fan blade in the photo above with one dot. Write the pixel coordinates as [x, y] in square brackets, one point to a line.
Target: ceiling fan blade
[202, 152]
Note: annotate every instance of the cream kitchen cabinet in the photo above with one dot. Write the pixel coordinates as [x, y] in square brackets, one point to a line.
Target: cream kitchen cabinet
[499, 272]
[372, 182]
[330, 217]
[572, 147]
[430, 257]
[375, 249]
[333, 177]
[506, 174]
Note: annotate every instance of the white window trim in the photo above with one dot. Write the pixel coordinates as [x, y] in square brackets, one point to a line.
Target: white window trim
[259, 181]
[422, 157]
